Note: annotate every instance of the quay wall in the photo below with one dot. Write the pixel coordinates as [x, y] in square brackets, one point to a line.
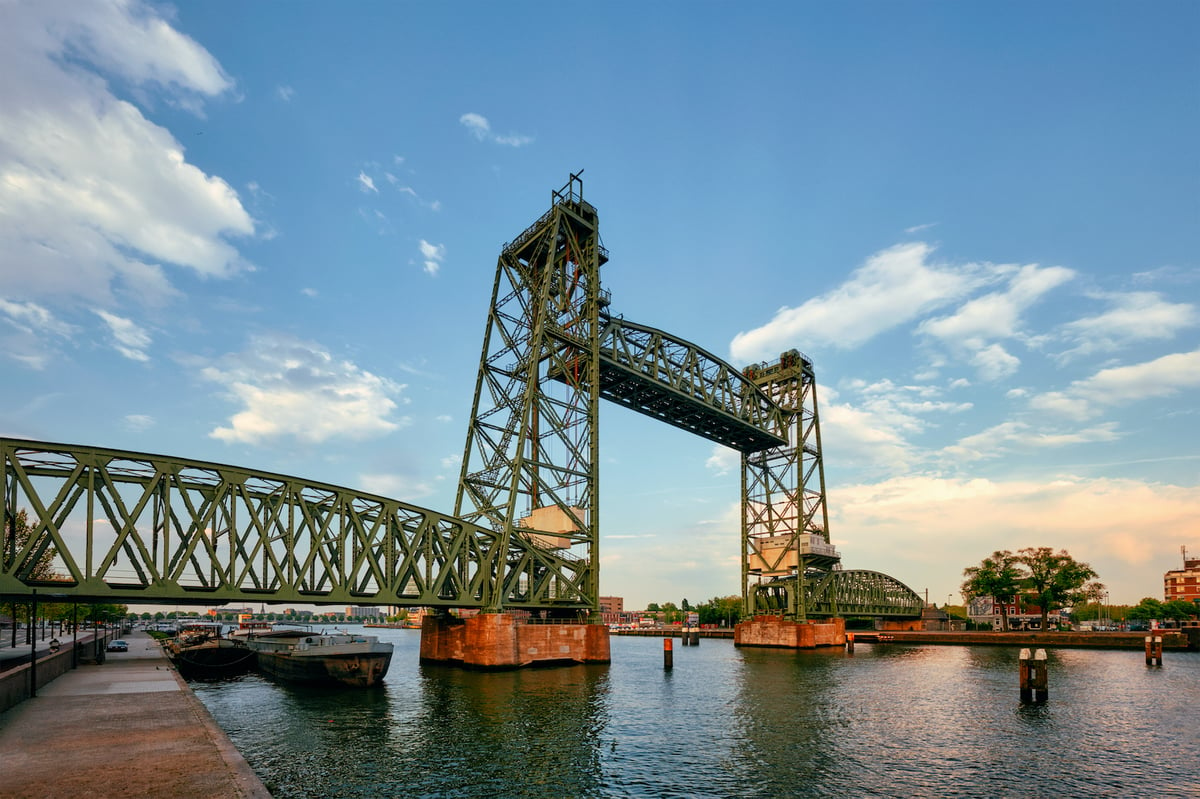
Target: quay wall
[498, 641]
[1172, 639]
[15, 685]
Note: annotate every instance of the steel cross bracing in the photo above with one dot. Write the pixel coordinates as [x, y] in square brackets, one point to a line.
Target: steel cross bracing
[529, 464]
[853, 592]
[785, 521]
[118, 526]
[681, 384]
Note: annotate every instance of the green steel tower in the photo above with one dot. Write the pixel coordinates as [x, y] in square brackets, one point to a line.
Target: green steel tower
[785, 522]
[529, 468]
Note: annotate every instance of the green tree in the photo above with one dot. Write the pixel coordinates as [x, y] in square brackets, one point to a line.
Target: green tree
[1178, 609]
[997, 576]
[1055, 580]
[653, 607]
[1148, 608]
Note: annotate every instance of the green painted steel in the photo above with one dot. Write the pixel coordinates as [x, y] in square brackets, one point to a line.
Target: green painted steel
[681, 384]
[132, 527]
[855, 592]
[785, 520]
[530, 463]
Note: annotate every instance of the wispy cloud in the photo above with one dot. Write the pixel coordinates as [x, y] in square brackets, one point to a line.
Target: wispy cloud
[892, 287]
[366, 183]
[1123, 385]
[919, 228]
[1131, 317]
[434, 255]
[285, 93]
[129, 339]
[481, 129]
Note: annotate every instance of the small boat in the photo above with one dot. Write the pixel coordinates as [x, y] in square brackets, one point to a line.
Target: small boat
[334, 657]
[199, 651]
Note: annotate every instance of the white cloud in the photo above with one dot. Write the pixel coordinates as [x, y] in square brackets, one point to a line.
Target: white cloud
[919, 228]
[130, 340]
[723, 460]
[1122, 385]
[138, 422]
[892, 287]
[285, 93]
[94, 198]
[308, 292]
[32, 333]
[395, 486]
[1131, 317]
[481, 129]
[994, 362]
[434, 255]
[292, 388]
[1103, 522]
[1002, 438]
[366, 183]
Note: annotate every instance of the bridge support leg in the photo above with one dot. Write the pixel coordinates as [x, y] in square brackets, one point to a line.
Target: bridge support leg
[776, 632]
[498, 641]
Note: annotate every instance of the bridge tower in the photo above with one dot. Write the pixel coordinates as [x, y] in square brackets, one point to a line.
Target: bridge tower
[529, 467]
[785, 521]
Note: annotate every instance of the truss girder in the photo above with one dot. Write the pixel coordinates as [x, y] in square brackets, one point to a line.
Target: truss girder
[532, 441]
[679, 383]
[116, 526]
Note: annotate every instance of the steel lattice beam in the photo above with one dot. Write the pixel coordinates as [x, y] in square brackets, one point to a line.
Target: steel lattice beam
[119, 526]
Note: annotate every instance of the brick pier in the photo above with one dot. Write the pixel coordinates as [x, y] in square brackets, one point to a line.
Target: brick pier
[776, 632]
[498, 641]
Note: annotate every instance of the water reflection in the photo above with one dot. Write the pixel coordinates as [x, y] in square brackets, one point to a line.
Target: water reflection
[891, 720]
[540, 730]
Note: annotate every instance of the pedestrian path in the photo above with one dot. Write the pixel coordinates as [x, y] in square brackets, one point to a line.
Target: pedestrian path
[129, 727]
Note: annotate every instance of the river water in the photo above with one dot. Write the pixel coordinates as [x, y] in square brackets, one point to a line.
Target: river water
[888, 720]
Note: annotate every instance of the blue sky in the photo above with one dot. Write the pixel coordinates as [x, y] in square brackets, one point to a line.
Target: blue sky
[266, 235]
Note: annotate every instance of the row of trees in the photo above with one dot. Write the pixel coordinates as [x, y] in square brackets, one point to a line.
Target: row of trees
[1035, 575]
[718, 610]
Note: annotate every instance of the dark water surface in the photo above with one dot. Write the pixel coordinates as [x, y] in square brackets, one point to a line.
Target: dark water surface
[889, 720]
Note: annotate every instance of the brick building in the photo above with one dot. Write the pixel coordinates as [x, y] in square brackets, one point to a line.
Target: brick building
[1183, 583]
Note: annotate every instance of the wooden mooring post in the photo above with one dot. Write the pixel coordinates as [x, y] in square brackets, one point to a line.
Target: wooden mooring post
[1034, 677]
[1154, 650]
[849, 642]
[668, 654]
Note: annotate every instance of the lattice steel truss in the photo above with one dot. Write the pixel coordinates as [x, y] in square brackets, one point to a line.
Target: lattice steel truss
[120, 526]
[529, 464]
[785, 521]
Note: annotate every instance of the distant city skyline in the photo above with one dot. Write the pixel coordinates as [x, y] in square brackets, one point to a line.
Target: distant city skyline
[266, 236]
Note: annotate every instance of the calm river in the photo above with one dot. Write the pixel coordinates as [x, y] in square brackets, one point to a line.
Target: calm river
[889, 720]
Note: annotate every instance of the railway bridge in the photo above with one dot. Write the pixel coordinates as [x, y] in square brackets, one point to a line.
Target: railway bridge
[103, 525]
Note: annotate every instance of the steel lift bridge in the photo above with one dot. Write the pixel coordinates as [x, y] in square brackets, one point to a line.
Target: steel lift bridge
[102, 525]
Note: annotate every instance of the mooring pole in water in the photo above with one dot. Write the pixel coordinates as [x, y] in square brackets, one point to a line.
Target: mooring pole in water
[1154, 650]
[849, 642]
[668, 655]
[1034, 676]
[695, 636]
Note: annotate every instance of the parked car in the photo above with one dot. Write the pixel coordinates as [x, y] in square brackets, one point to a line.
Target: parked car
[118, 646]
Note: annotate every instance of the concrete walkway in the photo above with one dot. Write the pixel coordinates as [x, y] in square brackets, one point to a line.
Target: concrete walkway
[129, 727]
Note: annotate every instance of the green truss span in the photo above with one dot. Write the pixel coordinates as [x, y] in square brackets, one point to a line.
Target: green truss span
[117, 526]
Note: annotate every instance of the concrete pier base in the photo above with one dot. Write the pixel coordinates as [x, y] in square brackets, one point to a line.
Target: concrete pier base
[776, 632]
[498, 641]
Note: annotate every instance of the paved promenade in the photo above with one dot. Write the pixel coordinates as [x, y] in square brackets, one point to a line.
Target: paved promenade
[129, 727]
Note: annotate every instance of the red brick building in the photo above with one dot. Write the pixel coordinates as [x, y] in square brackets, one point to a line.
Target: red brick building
[1183, 583]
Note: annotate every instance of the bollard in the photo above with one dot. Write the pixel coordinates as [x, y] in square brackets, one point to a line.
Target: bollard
[1039, 677]
[695, 636]
[668, 655]
[849, 642]
[1034, 677]
[1154, 650]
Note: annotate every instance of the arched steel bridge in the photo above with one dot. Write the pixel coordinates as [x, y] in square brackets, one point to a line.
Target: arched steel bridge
[92, 524]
